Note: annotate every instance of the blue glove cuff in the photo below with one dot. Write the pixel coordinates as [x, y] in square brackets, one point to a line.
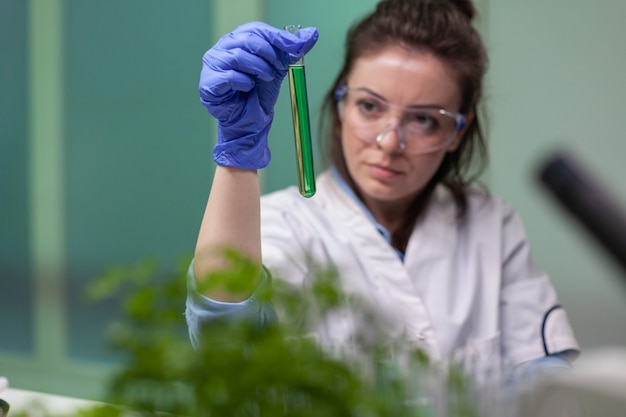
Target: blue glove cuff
[247, 152]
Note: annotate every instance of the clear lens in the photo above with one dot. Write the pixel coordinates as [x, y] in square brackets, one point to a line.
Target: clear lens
[421, 129]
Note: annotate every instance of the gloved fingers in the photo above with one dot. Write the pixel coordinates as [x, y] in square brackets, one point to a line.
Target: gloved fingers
[238, 60]
[224, 112]
[276, 46]
[254, 45]
[216, 86]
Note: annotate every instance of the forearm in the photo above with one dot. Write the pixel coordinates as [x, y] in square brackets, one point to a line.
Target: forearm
[231, 220]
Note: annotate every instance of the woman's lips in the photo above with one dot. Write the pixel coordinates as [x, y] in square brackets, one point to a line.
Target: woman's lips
[383, 172]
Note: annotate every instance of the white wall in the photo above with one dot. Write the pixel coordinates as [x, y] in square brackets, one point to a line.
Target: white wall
[556, 80]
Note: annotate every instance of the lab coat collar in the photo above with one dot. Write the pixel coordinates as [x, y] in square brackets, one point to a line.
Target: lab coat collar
[350, 192]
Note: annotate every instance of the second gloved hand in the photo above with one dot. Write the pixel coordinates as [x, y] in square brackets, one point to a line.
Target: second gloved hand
[239, 85]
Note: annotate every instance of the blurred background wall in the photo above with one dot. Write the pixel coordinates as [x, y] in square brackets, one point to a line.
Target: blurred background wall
[105, 152]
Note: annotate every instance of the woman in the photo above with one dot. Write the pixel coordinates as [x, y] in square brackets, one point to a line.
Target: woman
[446, 264]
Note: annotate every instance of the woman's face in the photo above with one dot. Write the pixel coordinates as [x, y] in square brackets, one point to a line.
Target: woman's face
[382, 170]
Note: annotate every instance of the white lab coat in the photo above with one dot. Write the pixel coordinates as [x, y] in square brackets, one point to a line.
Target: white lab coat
[467, 288]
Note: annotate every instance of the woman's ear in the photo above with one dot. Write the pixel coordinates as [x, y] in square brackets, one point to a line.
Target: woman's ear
[469, 118]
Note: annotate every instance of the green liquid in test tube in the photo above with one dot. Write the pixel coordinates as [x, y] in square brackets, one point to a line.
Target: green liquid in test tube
[301, 124]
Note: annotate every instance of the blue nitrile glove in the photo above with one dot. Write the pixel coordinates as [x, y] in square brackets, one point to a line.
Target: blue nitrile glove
[239, 84]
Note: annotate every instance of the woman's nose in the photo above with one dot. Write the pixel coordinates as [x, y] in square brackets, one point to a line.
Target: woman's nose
[390, 140]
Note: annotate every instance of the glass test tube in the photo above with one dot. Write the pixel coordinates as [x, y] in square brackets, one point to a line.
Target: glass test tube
[301, 124]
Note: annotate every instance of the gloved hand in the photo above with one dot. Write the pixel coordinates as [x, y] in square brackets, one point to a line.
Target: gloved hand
[239, 84]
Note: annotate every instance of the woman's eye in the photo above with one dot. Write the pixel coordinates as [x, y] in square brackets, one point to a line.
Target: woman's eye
[424, 121]
[368, 107]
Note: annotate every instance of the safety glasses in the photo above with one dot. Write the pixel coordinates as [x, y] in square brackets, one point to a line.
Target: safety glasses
[420, 129]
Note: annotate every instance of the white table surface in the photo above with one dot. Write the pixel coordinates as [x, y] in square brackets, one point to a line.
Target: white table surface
[22, 400]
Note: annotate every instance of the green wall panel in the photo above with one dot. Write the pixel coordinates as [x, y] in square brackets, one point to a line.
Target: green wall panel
[16, 319]
[137, 144]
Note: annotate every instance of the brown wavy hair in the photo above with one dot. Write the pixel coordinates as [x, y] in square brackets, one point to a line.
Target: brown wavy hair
[440, 27]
